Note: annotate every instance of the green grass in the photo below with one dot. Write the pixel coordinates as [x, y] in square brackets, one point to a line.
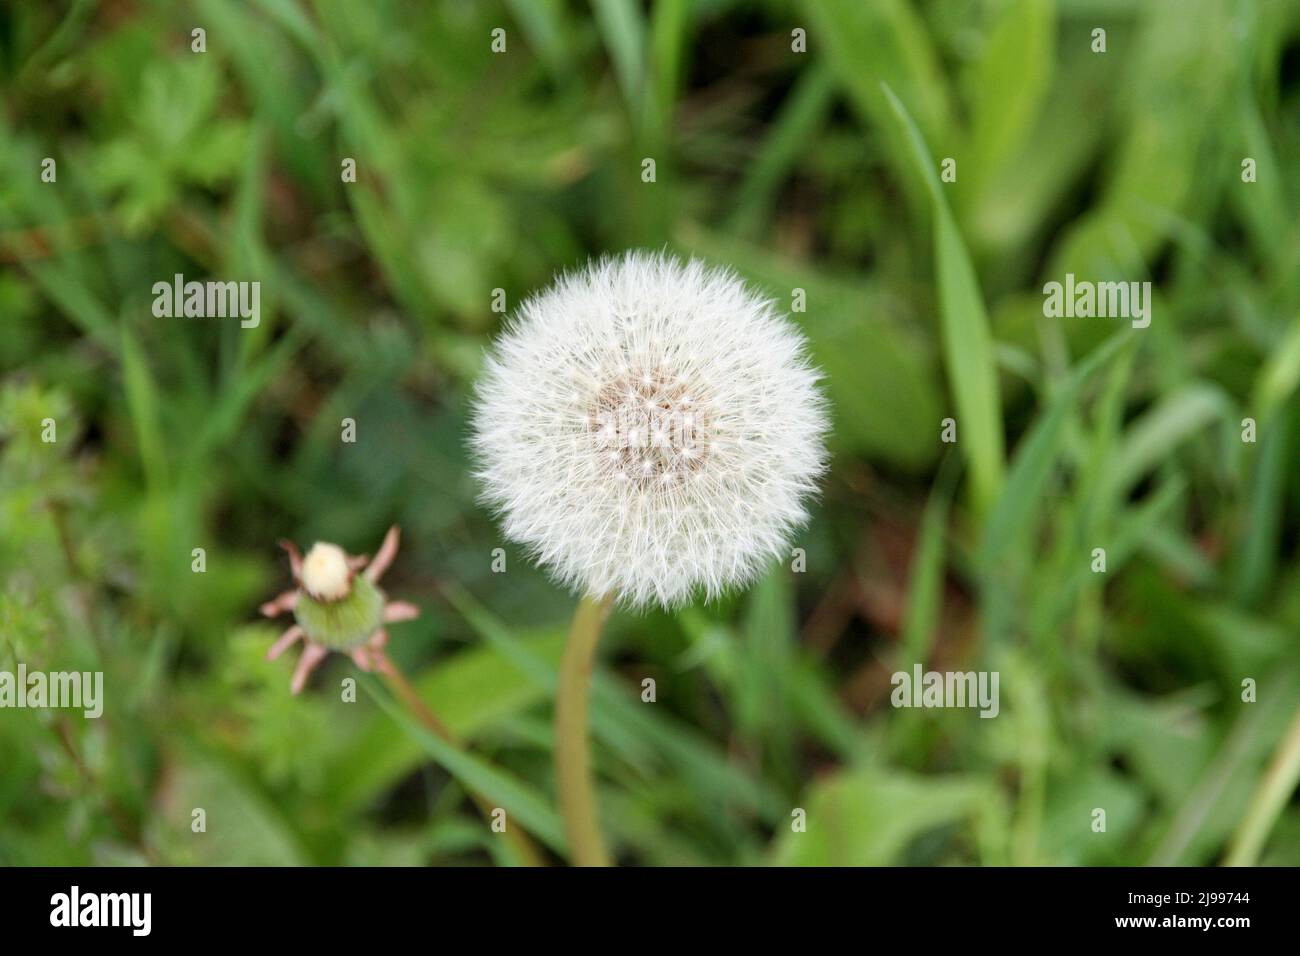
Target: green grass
[816, 172]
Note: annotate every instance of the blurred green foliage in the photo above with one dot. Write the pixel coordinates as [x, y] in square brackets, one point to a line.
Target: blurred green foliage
[812, 171]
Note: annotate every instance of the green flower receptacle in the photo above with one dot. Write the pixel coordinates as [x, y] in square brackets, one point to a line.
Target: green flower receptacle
[346, 623]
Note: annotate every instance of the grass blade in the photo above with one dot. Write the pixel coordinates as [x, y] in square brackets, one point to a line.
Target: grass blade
[479, 776]
[967, 341]
[1022, 493]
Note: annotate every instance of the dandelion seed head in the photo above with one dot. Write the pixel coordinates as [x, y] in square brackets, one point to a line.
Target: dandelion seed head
[649, 429]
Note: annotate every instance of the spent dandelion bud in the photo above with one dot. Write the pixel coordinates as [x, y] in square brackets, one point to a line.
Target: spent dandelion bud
[337, 606]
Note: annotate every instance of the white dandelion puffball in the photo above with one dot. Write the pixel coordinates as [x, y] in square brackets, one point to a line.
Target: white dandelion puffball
[649, 429]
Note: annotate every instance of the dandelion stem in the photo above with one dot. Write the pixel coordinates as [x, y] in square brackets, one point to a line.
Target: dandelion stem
[523, 846]
[572, 752]
[1270, 797]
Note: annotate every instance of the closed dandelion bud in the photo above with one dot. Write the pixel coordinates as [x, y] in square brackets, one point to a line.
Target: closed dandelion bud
[337, 606]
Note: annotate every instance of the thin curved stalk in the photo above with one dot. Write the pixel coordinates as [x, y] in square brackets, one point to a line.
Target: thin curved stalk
[573, 777]
[523, 846]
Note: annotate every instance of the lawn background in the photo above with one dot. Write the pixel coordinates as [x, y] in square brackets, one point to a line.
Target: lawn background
[813, 171]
